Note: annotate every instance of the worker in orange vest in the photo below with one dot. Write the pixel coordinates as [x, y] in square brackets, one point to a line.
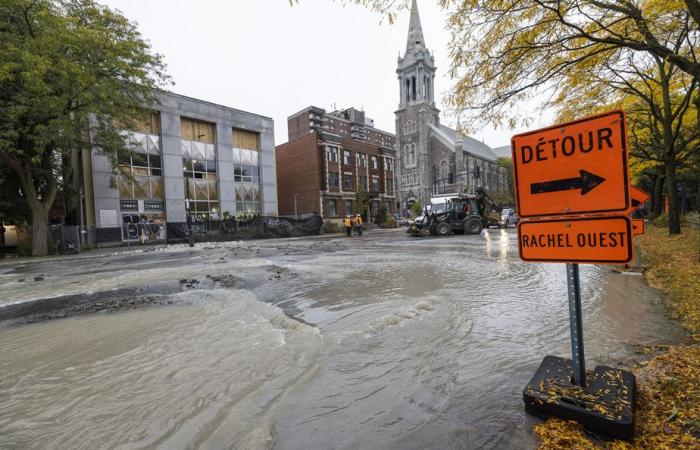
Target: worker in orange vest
[358, 225]
[348, 226]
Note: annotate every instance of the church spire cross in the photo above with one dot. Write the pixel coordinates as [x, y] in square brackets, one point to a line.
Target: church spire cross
[415, 32]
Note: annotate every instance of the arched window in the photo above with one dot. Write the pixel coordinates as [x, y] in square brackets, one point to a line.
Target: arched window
[413, 88]
[443, 170]
[412, 155]
[408, 90]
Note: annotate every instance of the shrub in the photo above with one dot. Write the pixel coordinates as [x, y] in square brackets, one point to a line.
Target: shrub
[331, 227]
[417, 208]
[390, 222]
[381, 215]
[693, 217]
[24, 248]
[661, 220]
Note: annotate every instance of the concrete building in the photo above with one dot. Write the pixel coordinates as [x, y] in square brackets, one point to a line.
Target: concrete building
[218, 158]
[327, 161]
[433, 158]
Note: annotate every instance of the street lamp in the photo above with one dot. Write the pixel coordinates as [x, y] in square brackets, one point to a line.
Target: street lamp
[187, 206]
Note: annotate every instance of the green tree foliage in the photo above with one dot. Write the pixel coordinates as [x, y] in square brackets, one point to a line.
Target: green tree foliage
[417, 208]
[507, 197]
[362, 200]
[13, 205]
[382, 215]
[67, 68]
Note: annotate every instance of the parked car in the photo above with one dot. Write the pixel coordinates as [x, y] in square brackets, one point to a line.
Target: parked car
[509, 218]
[400, 220]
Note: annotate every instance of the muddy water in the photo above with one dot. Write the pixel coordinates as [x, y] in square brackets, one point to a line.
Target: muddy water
[387, 342]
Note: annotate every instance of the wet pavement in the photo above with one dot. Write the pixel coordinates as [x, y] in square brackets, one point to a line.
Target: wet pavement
[387, 341]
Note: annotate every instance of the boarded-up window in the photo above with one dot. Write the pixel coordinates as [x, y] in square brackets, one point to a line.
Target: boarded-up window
[195, 130]
[246, 139]
[144, 122]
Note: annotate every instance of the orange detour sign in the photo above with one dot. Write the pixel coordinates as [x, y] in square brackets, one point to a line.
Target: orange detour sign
[638, 198]
[573, 168]
[638, 227]
[600, 240]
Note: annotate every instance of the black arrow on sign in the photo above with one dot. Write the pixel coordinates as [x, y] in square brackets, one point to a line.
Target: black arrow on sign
[586, 182]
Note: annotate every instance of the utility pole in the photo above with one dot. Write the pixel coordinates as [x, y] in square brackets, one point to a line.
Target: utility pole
[82, 230]
[295, 205]
[187, 206]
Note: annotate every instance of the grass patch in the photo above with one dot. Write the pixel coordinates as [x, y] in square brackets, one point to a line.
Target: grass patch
[672, 264]
[668, 385]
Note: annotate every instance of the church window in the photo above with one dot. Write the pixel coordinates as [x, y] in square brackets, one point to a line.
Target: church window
[408, 90]
[413, 88]
[420, 85]
[443, 171]
[412, 155]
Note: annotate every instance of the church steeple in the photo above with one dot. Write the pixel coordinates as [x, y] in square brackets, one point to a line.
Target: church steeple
[416, 70]
[415, 31]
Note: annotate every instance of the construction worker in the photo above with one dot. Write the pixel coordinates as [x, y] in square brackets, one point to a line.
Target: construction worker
[358, 225]
[348, 226]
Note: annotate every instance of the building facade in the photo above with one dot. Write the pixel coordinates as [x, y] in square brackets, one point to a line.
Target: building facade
[431, 157]
[326, 163]
[351, 123]
[189, 156]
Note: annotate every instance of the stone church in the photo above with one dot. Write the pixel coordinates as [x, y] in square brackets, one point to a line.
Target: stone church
[433, 159]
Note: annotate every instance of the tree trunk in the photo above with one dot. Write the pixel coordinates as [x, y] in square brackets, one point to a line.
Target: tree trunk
[657, 205]
[40, 231]
[674, 217]
[669, 152]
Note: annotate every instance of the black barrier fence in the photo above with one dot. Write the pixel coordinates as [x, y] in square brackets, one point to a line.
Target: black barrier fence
[257, 227]
[68, 238]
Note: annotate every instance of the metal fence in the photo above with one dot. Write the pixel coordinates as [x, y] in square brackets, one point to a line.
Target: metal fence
[256, 227]
[71, 239]
[67, 238]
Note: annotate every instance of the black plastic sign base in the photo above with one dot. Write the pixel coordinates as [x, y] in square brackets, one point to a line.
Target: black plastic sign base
[605, 406]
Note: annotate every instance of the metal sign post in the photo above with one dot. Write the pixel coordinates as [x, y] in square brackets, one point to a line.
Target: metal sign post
[578, 363]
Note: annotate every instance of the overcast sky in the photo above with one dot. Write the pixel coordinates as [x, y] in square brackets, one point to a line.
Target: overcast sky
[266, 57]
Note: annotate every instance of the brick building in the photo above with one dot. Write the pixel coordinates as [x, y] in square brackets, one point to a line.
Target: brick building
[328, 159]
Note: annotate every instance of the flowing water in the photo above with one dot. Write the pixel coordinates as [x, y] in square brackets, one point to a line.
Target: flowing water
[384, 342]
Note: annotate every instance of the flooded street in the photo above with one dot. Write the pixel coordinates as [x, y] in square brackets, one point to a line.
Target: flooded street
[387, 341]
